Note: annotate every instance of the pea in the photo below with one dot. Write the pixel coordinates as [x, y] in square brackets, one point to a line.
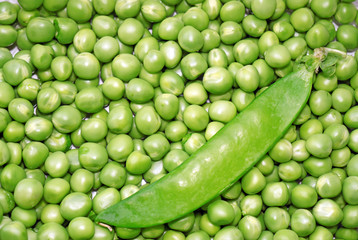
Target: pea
[346, 13]
[149, 14]
[349, 186]
[347, 35]
[125, 66]
[253, 181]
[28, 192]
[55, 190]
[299, 222]
[217, 80]
[220, 212]
[250, 227]
[11, 175]
[276, 219]
[52, 229]
[254, 26]
[275, 194]
[34, 154]
[302, 19]
[14, 229]
[321, 232]
[327, 212]
[113, 175]
[81, 227]
[248, 78]
[197, 18]
[245, 51]
[74, 205]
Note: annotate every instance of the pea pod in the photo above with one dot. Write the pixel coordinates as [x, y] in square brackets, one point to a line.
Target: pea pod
[219, 163]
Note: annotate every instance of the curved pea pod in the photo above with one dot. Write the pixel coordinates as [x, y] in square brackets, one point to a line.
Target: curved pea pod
[219, 163]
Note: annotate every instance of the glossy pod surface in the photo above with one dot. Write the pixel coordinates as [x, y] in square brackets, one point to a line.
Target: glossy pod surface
[220, 162]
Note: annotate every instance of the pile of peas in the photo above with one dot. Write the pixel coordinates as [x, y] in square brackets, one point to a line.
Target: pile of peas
[99, 98]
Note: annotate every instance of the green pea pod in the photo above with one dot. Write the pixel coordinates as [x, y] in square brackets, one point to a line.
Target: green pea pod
[226, 157]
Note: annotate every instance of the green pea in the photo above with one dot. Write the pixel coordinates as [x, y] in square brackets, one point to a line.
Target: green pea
[66, 119]
[253, 181]
[190, 39]
[147, 120]
[80, 227]
[79, 10]
[223, 111]
[350, 216]
[232, 11]
[346, 233]
[127, 233]
[174, 158]
[303, 222]
[193, 65]
[9, 35]
[350, 184]
[175, 131]
[217, 58]
[254, 26]
[217, 80]
[105, 199]
[86, 66]
[127, 9]
[245, 51]
[347, 35]
[125, 67]
[27, 217]
[113, 175]
[61, 68]
[15, 71]
[66, 89]
[57, 164]
[302, 19]
[250, 227]
[275, 194]
[11, 175]
[34, 154]
[262, 9]
[37, 174]
[66, 29]
[7, 201]
[89, 100]
[51, 213]
[147, 9]
[9, 13]
[319, 145]
[104, 26]
[248, 78]
[14, 132]
[220, 212]
[74, 205]
[130, 31]
[231, 32]
[52, 229]
[28, 192]
[325, 83]
[40, 30]
[327, 212]
[209, 227]
[251, 205]
[92, 156]
[276, 219]
[346, 13]
[48, 100]
[55, 190]
[14, 229]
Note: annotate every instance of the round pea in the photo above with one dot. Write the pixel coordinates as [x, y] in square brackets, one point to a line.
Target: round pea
[28, 192]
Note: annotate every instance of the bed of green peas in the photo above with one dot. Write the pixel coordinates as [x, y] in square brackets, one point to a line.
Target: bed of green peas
[94, 102]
